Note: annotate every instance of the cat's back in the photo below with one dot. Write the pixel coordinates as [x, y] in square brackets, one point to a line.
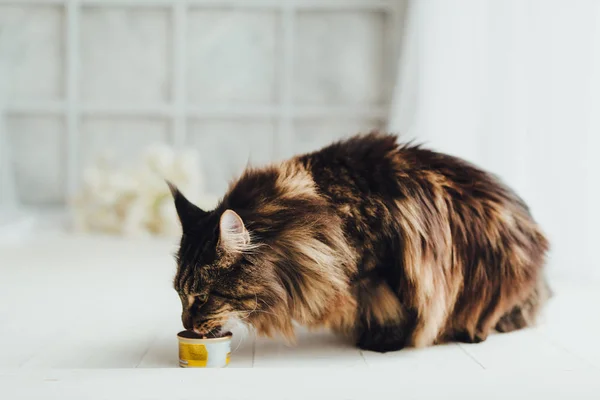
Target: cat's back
[363, 164]
[377, 165]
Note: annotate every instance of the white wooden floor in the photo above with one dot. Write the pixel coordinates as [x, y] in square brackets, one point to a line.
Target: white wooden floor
[73, 308]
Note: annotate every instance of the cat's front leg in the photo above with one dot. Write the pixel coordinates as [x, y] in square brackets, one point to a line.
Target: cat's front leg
[383, 322]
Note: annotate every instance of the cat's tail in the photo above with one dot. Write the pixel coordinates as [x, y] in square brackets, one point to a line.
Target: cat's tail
[526, 313]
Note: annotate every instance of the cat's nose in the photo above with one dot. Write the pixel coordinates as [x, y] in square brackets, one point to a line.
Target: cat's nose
[187, 321]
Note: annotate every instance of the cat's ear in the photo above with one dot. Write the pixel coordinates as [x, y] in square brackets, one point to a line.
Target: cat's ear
[233, 234]
[188, 213]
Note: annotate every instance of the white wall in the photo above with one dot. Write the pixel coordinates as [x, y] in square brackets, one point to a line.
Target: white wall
[236, 79]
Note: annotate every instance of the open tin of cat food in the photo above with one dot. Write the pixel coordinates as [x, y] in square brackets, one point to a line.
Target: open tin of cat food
[196, 351]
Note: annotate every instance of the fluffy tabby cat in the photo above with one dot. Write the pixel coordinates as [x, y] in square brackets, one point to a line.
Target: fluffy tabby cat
[390, 245]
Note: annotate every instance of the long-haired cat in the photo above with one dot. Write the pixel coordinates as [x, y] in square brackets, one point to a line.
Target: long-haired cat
[390, 245]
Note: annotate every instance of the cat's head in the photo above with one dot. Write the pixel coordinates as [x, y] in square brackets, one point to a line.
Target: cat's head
[220, 276]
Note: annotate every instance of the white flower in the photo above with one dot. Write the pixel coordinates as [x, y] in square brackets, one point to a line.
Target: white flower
[136, 200]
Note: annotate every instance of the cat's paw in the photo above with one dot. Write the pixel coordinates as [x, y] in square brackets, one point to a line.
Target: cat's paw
[466, 337]
[379, 346]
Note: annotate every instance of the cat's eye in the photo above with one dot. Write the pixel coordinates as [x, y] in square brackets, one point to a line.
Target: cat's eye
[202, 298]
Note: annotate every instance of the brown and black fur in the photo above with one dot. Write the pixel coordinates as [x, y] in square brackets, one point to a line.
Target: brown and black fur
[390, 245]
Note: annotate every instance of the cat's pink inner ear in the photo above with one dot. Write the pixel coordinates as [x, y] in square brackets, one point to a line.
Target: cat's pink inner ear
[231, 222]
[234, 235]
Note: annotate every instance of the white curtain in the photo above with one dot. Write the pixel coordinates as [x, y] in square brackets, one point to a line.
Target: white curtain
[514, 86]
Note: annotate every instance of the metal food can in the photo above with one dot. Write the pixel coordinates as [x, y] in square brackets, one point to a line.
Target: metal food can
[198, 352]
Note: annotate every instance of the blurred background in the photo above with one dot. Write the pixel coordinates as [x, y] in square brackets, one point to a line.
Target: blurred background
[100, 99]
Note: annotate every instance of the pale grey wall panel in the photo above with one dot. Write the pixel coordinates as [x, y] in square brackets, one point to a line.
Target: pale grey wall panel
[121, 140]
[136, 77]
[37, 147]
[32, 47]
[339, 57]
[226, 147]
[232, 56]
[125, 55]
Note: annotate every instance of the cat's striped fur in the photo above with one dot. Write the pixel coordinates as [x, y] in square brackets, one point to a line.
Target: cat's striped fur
[390, 245]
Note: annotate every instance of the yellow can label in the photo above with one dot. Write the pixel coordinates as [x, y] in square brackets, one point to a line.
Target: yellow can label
[193, 355]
